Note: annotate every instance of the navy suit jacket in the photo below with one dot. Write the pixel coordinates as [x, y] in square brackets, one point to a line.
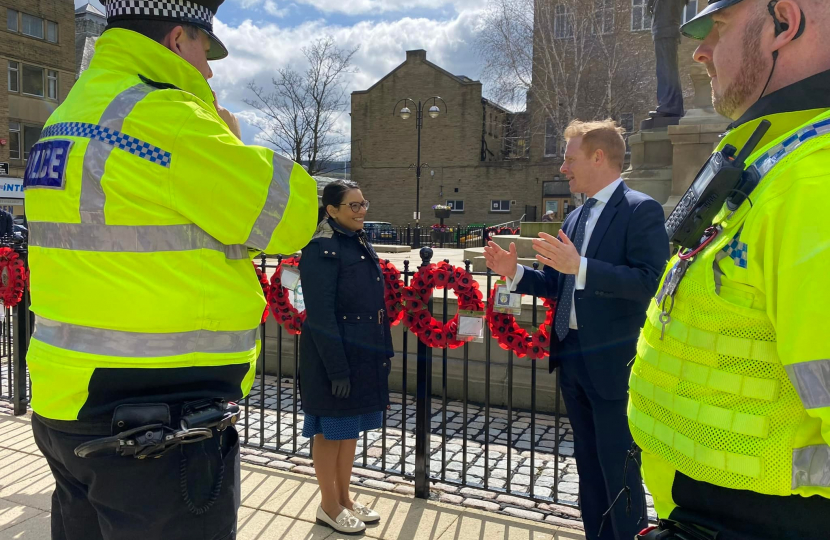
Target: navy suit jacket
[626, 256]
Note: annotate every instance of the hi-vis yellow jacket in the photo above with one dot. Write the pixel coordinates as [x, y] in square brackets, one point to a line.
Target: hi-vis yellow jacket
[144, 211]
[737, 392]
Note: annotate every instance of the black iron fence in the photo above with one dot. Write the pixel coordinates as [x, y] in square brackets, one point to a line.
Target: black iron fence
[416, 236]
[422, 449]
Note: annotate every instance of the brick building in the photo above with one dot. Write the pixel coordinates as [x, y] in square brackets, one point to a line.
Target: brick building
[492, 165]
[37, 52]
[473, 158]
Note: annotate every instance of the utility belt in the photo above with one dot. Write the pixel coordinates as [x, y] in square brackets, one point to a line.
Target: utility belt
[143, 431]
[369, 317]
[673, 530]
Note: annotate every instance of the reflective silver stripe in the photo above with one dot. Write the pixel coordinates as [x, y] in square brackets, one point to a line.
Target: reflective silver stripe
[128, 239]
[811, 466]
[97, 153]
[812, 382]
[272, 212]
[84, 339]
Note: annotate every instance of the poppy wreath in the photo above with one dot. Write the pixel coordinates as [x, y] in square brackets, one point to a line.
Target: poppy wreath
[280, 302]
[503, 231]
[13, 277]
[512, 337]
[416, 297]
[266, 286]
[393, 293]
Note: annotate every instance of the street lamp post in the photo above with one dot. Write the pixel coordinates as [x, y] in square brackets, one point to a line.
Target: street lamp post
[434, 111]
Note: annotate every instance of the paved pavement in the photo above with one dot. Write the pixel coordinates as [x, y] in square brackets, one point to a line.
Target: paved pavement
[555, 482]
[275, 504]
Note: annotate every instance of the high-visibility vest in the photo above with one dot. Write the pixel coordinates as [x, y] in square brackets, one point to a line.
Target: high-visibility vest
[736, 392]
[144, 213]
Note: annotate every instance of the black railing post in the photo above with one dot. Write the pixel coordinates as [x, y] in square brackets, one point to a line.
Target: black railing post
[417, 235]
[423, 405]
[19, 394]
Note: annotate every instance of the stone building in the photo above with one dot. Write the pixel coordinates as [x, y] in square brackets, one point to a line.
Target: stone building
[472, 158]
[90, 23]
[490, 164]
[37, 52]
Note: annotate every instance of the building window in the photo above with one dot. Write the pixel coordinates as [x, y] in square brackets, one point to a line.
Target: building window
[457, 205]
[31, 134]
[562, 22]
[11, 20]
[33, 26]
[640, 17]
[551, 138]
[14, 77]
[690, 11]
[52, 84]
[14, 140]
[499, 206]
[52, 31]
[32, 80]
[603, 16]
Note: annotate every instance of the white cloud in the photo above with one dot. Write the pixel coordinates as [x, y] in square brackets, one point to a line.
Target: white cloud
[358, 7]
[257, 50]
[272, 8]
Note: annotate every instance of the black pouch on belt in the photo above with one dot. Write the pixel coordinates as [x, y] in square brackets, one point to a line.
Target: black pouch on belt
[127, 417]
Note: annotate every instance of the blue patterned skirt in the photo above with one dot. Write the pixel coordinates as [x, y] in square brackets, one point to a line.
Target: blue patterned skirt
[341, 429]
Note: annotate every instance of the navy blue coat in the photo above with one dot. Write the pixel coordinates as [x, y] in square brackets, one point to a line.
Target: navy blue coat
[626, 256]
[346, 332]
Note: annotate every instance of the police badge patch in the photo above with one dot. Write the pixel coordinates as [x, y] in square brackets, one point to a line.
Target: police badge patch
[47, 165]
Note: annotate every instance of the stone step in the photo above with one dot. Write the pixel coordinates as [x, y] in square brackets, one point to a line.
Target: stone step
[524, 246]
[480, 265]
[532, 229]
[383, 248]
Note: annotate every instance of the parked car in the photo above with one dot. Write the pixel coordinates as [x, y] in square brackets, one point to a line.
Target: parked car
[380, 232]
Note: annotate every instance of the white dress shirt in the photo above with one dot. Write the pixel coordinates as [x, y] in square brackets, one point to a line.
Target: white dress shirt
[602, 197]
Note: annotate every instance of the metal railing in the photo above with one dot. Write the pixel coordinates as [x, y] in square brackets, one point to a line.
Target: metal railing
[272, 418]
[446, 237]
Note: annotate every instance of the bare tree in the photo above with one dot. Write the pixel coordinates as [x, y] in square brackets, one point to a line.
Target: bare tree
[567, 58]
[298, 115]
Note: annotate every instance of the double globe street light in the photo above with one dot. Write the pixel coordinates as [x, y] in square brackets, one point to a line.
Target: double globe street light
[405, 113]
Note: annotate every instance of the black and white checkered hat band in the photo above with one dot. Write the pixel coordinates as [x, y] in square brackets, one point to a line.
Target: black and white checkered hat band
[169, 9]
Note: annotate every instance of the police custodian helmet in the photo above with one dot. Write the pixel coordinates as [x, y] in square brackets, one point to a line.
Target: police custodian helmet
[700, 26]
[198, 13]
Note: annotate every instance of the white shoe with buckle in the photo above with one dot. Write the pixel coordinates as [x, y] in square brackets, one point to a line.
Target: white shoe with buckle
[365, 514]
[345, 523]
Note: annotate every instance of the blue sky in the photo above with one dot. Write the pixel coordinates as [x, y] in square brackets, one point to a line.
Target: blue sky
[264, 35]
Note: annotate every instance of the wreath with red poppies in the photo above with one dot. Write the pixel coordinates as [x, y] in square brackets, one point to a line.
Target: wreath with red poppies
[393, 292]
[416, 297]
[266, 286]
[512, 337]
[279, 300]
[13, 277]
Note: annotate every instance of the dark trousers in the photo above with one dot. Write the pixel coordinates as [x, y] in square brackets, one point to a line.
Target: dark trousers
[118, 498]
[669, 88]
[601, 443]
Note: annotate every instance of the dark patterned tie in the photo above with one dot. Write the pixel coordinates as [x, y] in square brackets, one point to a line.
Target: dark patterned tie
[562, 320]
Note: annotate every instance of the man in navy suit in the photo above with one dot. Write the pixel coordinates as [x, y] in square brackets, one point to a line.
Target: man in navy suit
[603, 269]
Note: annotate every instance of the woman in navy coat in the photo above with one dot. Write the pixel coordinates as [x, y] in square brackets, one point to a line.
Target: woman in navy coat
[345, 349]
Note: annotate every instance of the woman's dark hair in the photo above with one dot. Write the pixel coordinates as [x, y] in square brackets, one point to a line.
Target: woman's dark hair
[333, 194]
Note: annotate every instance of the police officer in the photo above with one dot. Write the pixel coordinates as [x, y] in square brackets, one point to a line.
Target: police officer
[730, 399]
[144, 210]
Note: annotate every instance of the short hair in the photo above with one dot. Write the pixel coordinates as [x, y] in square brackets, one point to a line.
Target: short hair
[154, 29]
[605, 135]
